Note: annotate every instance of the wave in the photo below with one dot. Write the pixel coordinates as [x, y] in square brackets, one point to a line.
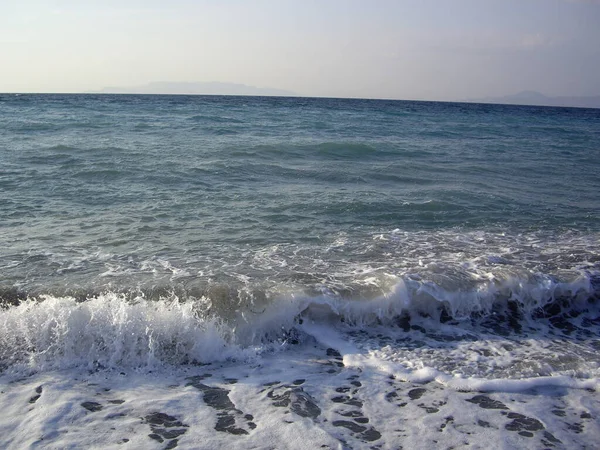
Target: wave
[107, 331]
[206, 118]
[309, 152]
[345, 150]
[124, 329]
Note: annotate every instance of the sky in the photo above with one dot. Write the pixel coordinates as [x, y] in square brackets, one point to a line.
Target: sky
[399, 49]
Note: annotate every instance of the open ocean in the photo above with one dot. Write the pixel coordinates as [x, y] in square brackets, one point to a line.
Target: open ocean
[270, 273]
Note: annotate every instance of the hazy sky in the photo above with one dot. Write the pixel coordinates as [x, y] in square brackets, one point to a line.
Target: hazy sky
[407, 49]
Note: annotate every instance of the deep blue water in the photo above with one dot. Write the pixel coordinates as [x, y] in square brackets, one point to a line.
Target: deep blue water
[205, 193]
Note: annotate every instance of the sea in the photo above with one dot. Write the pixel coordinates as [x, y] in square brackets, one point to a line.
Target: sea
[206, 272]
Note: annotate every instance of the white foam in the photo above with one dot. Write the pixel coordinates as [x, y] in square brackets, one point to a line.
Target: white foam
[58, 419]
[470, 384]
[417, 372]
[109, 331]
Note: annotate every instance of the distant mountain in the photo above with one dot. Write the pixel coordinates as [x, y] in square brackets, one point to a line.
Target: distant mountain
[207, 88]
[537, 99]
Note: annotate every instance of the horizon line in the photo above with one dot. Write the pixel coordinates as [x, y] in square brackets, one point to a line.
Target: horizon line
[466, 101]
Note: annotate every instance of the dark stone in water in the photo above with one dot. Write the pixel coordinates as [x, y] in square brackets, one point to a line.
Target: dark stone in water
[170, 434]
[333, 352]
[303, 404]
[165, 420]
[430, 409]
[172, 444]
[159, 422]
[417, 393]
[523, 423]
[551, 438]
[366, 434]
[35, 398]
[92, 406]
[12, 297]
[486, 402]
[299, 402]
[371, 435]
[445, 317]
[197, 379]
[156, 437]
[505, 320]
[485, 352]
[218, 398]
[448, 420]
[551, 309]
[588, 322]
[350, 425]
[347, 401]
[226, 423]
[354, 413]
[495, 326]
[563, 324]
[214, 397]
[404, 322]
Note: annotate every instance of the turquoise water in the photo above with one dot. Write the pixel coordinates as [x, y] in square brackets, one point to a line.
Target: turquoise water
[126, 192]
